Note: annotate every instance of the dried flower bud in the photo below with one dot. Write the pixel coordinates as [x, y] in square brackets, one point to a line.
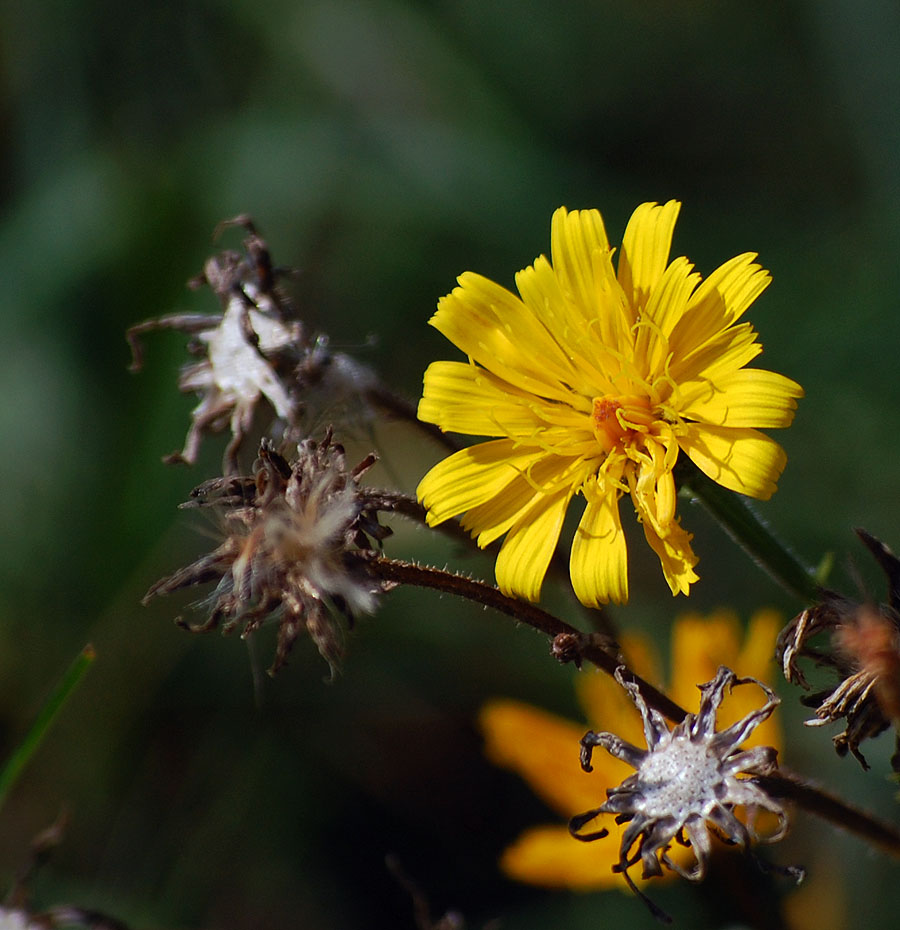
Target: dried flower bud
[864, 651]
[298, 538]
[687, 779]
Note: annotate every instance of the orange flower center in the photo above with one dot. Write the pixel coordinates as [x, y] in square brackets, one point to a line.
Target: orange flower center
[616, 419]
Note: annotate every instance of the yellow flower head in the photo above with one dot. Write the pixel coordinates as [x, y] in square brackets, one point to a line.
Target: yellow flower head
[544, 748]
[592, 380]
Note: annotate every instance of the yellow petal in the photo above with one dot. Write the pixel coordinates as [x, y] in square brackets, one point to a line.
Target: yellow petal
[741, 460]
[675, 556]
[529, 545]
[645, 249]
[551, 858]
[724, 353]
[598, 562]
[472, 476]
[665, 307]
[463, 398]
[550, 475]
[724, 296]
[699, 646]
[544, 750]
[574, 237]
[750, 397]
[497, 330]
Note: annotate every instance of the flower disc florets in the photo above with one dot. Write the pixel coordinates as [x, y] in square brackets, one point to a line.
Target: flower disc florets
[298, 537]
[686, 779]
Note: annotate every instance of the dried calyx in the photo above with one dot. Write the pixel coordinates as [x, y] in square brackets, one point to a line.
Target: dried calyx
[298, 537]
[863, 650]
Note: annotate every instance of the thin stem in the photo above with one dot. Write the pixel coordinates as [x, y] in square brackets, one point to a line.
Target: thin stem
[749, 532]
[570, 643]
[27, 748]
[409, 507]
[813, 800]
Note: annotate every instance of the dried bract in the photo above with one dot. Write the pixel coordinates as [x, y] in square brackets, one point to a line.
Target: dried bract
[687, 779]
[864, 651]
[255, 350]
[298, 537]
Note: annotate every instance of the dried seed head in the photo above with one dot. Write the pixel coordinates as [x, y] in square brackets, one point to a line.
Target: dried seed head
[256, 350]
[687, 779]
[298, 538]
[864, 651]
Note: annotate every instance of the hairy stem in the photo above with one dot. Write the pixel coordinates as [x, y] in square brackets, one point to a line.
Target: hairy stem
[582, 645]
[813, 800]
[409, 507]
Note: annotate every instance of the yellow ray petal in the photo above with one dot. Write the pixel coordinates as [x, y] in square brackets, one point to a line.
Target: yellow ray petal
[543, 749]
[665, 307]
[598, 561]
[490, 520]
[749, 397]
[741, 460]
[724, 296]
[645, 249]
[472, 476]
[574, 237]
[497, 330]
[529, 545]
[463, 398]
[699, 646]
[675, 556]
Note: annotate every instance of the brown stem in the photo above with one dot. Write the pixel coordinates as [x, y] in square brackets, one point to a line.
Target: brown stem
[409, 507]
[577, 646]
[791, 787]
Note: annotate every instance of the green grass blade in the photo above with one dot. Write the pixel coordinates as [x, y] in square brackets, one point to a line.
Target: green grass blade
[10, 772]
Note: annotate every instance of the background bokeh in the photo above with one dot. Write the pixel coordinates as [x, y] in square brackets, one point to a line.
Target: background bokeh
[384, 147]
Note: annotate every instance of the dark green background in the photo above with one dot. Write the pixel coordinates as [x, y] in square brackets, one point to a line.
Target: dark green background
[384, 148]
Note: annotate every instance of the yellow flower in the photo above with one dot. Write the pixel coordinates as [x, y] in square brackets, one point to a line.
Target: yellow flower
[544, 748]
[593, 380]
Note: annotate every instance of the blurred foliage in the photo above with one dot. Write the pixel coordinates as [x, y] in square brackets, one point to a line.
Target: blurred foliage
[384, 147]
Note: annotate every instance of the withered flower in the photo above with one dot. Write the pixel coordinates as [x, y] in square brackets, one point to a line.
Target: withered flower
[687, 779]
[256, 350]
[298, 536]
[865, 653]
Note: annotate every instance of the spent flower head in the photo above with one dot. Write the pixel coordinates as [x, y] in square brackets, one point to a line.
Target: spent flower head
[686, 780]
[592, 381]
[542, 747]
[298, 535]
[255, 352]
